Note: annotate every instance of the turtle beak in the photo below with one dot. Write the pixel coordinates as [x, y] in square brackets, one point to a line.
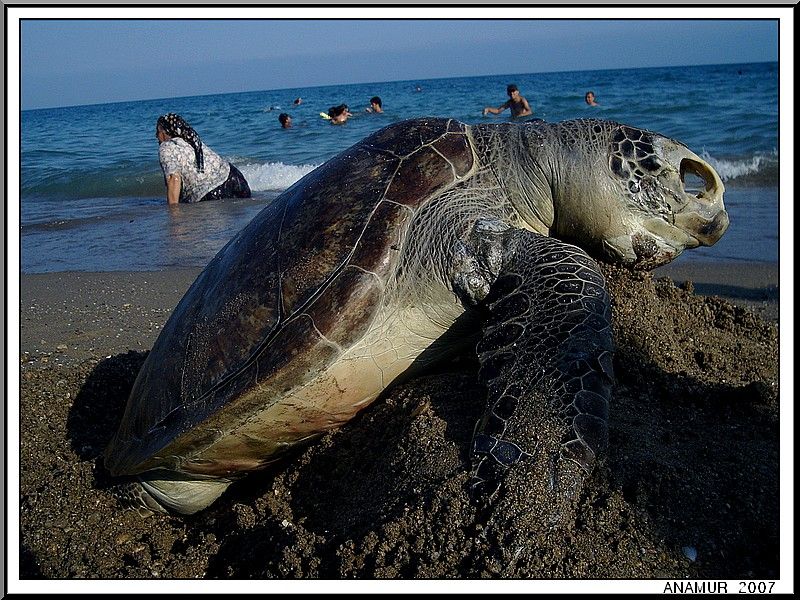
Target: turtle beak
[704, 217]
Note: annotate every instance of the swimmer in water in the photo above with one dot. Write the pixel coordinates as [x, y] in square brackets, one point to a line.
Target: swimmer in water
[339, 114]
[375, 105]
[517, 103]
[285, 120]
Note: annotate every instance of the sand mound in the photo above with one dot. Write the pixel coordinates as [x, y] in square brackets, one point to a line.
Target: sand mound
[693, 462]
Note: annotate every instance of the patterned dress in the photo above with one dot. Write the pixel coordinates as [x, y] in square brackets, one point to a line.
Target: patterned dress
[177, 156]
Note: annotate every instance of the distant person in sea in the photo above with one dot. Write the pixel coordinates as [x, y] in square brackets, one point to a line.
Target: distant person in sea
[418, 89]
[517, 103]
[589, 98]
[339, 114]
[375, 105]
[286, 120]
[297, 101]
[193, 172]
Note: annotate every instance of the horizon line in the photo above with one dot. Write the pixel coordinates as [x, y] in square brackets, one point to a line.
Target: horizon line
[310, 87]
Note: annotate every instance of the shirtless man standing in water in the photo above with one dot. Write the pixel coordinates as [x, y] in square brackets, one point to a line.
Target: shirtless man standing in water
[518, 104]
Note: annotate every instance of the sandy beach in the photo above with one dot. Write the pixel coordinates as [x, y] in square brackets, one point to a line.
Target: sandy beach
[688, 488]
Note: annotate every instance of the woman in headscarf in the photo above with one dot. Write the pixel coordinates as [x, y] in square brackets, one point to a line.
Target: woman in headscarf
[192, 171]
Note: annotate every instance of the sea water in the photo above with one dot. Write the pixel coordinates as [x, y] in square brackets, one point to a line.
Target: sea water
[93, 196]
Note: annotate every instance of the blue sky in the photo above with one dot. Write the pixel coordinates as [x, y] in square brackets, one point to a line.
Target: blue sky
[68, 62]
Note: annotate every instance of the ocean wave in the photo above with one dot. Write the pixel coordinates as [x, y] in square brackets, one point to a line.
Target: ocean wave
[98, 184]
[273, 176]
[118, 183]
[758, 169]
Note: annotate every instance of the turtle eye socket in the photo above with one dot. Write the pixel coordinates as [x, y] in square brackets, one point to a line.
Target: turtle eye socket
[695, 178]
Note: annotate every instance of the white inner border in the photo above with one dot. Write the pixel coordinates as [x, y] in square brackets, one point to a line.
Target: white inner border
[786, 66]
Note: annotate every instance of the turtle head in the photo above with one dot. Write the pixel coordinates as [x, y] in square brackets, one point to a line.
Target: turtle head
[633, 196]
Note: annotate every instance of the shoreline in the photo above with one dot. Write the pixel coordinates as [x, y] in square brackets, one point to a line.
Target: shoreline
[69, 316]
[754, 285]
[144, 238]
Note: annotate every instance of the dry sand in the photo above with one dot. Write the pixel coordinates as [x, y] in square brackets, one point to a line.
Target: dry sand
[693, 457]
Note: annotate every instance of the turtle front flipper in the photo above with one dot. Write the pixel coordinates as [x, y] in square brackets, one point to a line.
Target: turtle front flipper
[546, 359]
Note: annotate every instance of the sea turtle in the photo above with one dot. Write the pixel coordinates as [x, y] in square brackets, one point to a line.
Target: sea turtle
[424, 237]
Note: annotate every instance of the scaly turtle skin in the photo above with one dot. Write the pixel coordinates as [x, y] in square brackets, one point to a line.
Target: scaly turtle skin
[353, 275]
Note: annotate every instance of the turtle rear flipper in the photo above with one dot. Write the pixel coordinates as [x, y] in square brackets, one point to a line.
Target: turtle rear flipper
[546, 359]
[165, 492]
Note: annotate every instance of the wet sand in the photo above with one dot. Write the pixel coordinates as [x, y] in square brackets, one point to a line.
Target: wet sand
[692, 465]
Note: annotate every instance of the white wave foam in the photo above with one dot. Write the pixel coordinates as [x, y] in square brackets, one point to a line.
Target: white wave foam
[731, 169]
[271, 176]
